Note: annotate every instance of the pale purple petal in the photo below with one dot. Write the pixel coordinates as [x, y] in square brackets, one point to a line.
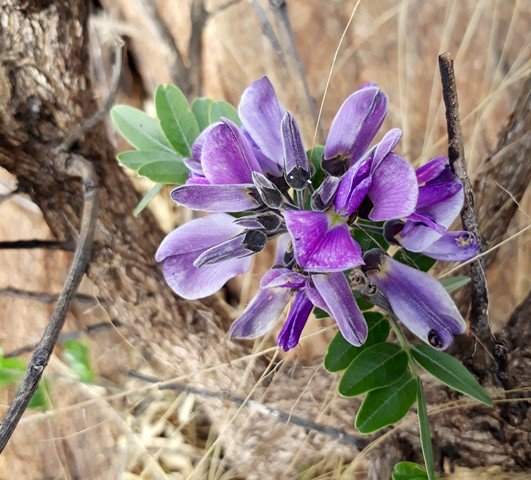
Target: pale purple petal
[216, 198]
[181, 248]
[336, 292]
[283, 277]
[261, 314]
[315, 297]
[453, 247]
[355, 126]
[299, 312]
[194, 163]
[261, 114]
[431, 170]
[283, 242]
[268, 166]
[353, 188]
[227, 156]
[394, 189]
[195, 179]
[319, 244]
[386, 145]
[432, 194]
[419, 301]
[296, 164]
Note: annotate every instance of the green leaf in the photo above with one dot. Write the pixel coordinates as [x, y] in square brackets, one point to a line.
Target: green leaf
[340, 353]
[449, 371]
[455, 283]
[362, 302]
[139, 129]
[176, 118]
[415, 260]
[11, 370]
[409, 471]
[147, 198]
[173, 172]
[320, 314]
[135, 159]
[424, 431]
[76, 355]
[315, 155]
[221, 109]
[376, 367]
[40, 398]
[368, 240]
[201, 109]
[386, 405]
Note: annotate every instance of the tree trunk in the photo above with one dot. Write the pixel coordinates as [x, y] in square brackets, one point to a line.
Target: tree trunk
[45, 92]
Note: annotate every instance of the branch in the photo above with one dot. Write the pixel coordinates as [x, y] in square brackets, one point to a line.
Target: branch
[36, 243]
[79, 167]
[281, 416]
[99, 115]
[44, 297]
[479, 315]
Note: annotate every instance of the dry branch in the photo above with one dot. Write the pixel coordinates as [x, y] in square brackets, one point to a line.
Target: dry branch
[78, 167]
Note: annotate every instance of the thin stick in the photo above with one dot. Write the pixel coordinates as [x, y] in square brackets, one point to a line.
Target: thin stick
[44, 297]
[36, 243]
[479, 315]
[282, 416]
[99, 115]
[79, 167]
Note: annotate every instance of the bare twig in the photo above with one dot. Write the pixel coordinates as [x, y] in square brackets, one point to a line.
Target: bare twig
[44, 297]
[198, 19]
[338, 433]
[479, 315]
[98, 116]
[76, 166]
[36, 243]
[267, 30]
[65, 337]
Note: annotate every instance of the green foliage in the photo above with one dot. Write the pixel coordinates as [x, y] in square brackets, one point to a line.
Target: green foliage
[387, 405]
[376, 367]
[135, 159]
[340, 352]
[165, 171]
[147, 198]
[362, 302]
[201, 109]
[315, 155]
[221, 109]
[424, 431]
[176, 118]
[409, 471]
[139, 129]
[76, 355]
[11, 372]
[449, 371]
[455, 283]
[368, 239]
[415, 260]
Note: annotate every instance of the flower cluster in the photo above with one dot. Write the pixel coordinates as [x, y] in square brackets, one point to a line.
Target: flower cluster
[256, 181]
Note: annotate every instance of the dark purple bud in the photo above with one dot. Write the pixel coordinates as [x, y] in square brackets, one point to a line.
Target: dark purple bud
[243, 245]
[249, 223]
[391, 229]
[373, 259]
[336, 166]
[323, 196]
[270, 221]
[434, 340]
[296, 165]
[268, 191]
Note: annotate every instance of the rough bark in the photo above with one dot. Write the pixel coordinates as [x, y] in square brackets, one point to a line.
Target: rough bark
[45, 91]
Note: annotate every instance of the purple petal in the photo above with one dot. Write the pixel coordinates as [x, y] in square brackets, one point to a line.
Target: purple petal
[216, 198]
[299, 312]
[283, 277]
[195, 179]
[394, 189]
[386, 145]
[248, 243]
[355, 125]
[181, 248]
[194, 163]
[296, 164]
[319, 244]
[353, 188]
[432, 194]
[336, 292]
[227, 156]
[315, 297]
[431, 169]
[261, 314]
[419, 301]
[283, 242]
[453, 247]
[261, 114]
[268, 166]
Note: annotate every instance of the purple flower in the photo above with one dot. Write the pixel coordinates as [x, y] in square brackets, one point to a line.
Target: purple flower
[419, 301]
[439, 202]
[182, 247]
